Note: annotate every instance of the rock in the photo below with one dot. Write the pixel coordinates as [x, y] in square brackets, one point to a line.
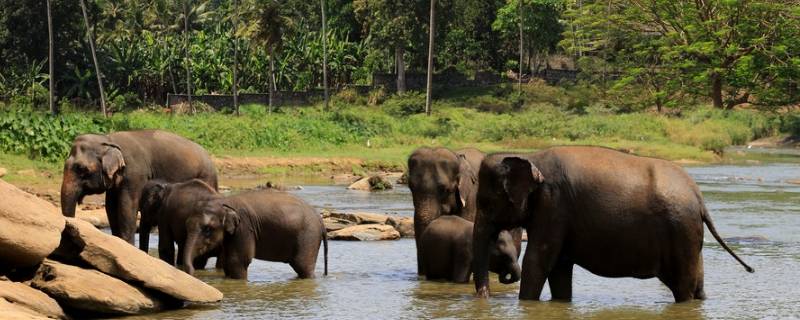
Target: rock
[23, 296]
[404, 225]
[92, 290]
[524, 236]
[12, 311]
[3, 172]
[97, 217]
[27, 173]
[357, 217]
[116, 257]
[403, 178]
[333, 224]
[365, 232]
[372, 183]
[30, 228]
[345, 178]
[793, 181]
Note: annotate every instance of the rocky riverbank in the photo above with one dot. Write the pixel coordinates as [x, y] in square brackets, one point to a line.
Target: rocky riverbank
[57, 267]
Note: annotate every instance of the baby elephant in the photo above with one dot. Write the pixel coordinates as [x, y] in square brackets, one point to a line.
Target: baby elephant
[266, 225]
[447, 252]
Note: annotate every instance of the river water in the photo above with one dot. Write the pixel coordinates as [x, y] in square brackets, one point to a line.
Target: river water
[754, 207]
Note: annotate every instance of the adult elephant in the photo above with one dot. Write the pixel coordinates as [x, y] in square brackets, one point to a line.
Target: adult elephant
[120, 164]
[614, 214]
[442, 182]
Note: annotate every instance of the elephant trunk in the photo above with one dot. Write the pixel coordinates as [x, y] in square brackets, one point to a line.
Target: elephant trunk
[480, 261]
[512, 275]
[188, 252]
[426, 209]
[70, 194]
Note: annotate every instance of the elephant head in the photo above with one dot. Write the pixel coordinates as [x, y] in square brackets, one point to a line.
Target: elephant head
[503, 259]
[206, 229]
[152, 200]
[440, 181]
[95, 164]
[507, 188]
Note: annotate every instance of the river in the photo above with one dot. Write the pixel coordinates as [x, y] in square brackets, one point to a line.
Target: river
[753, 205]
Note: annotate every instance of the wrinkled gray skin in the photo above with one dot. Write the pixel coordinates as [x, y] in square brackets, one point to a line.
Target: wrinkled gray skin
[120, 164]
[265, 225]
[168, 206]
[447, 252]
[442, 182]
[614, 214]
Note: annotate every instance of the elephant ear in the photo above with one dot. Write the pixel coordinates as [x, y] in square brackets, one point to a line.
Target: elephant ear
[230, 220]
[466, 179]
[113, 163]
[520, 178]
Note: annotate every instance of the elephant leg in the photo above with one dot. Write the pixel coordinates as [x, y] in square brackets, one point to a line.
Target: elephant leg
[112, 203]
[541, 255]
[200, 262]
[166, 246]
[127, 205]
[560, 280]
[682, 282]
[462, 267]
[144, 237]
[699, 292]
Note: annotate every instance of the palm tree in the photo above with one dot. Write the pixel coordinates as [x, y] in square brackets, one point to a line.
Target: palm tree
[519, 76]
[188, 55]
[430, 59]
[324, 55]
[235, 56]
[50, 59]
[269, 32]
[90, 37]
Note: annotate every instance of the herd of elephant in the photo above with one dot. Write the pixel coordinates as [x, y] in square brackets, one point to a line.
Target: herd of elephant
[612, 213]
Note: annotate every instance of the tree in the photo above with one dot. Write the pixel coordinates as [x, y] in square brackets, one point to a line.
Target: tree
[324, 54]
[431, 29]
[51, 57]
[532, 27]
[270, 26]
[235, 56]
[391, 24]
[90, 38]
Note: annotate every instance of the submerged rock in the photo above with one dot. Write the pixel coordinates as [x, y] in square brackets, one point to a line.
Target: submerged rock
[30, 228]
[365, 232]
[36, 302]
[116, 257]
[92, 290]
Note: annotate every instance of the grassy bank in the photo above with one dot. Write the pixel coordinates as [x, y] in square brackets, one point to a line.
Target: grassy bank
[380, 132]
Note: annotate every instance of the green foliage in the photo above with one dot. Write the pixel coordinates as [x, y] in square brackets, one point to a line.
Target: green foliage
[403, 105]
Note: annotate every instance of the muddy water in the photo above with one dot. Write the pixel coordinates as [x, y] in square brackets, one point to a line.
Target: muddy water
[754, 206]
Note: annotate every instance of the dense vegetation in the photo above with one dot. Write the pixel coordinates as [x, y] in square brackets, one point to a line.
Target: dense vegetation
[661, 53]
[493, 117]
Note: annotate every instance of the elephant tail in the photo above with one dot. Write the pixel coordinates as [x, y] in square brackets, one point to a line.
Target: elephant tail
[710, 225]
[325, 248]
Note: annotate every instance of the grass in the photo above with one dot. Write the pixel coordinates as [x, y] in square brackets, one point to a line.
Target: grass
[381, 136]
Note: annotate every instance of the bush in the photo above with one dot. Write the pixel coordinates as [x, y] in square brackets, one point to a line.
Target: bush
[403, 105]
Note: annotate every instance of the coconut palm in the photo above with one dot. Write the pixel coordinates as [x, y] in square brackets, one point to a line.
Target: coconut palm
[430, 58]
[50, 59]
[270, 26]
[90, 38]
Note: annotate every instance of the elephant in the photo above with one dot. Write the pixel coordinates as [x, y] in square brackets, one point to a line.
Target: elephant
[442, 182]
[612, 213]
[447, 252]
[266, 225]
[120, 164]
[168, 206]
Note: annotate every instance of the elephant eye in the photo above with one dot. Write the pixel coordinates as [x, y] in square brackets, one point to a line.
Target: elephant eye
[207, 230]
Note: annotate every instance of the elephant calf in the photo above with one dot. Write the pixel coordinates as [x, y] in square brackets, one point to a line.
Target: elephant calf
[447, 252]
[266, 225]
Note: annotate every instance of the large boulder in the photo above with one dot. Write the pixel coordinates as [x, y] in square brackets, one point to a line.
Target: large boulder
[13, 311]
[116, 257]
[97, 217]
[23, 296]
[365, 232]
[357, 217]
[30, 228]
[333, 223]
[404, 225]
[92, 290]
[373, 183]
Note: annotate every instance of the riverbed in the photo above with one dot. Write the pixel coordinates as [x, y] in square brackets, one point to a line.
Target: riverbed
[754, 206]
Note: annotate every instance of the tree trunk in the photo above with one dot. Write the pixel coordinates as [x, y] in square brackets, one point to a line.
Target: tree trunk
[430, 58]
[521, 39]
[50, 58]
[401, 68]
[271, 80]
[90, 37]
[235, 57]
[188, 55]
[716, 90]
[324, 54]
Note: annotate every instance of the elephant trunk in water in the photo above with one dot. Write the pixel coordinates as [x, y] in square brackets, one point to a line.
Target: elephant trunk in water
[70, 193]
[512, 275]
[426, 210]
[188, 252]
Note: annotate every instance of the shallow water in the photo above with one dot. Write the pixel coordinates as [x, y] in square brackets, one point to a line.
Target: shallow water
[753, 206]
